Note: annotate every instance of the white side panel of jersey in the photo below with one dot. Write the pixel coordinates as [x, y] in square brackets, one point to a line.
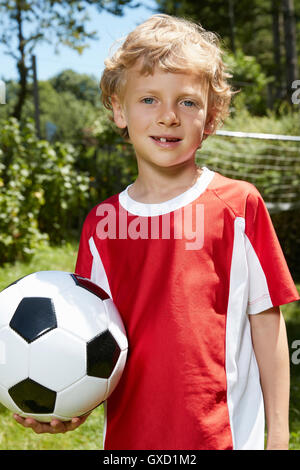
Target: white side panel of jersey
[244, 395]
[98, 274]
[99, 277]
[259, 296]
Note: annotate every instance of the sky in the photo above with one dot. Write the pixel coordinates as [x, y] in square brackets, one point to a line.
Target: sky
[109, 28]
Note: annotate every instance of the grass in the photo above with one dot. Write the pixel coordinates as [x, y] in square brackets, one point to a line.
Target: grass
[89, 435]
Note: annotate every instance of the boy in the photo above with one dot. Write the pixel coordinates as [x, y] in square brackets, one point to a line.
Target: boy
[191, 260]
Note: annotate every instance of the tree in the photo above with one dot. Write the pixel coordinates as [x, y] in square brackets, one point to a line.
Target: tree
[290, 44]
[277, 48]
[83, 86]
[25, 23]
[264, 29]
[229, 19]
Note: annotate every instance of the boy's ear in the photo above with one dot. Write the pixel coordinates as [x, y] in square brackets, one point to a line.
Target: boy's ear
[209, 125]
[118, 111]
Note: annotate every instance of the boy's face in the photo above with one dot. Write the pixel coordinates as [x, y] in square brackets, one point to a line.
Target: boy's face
[159, 107]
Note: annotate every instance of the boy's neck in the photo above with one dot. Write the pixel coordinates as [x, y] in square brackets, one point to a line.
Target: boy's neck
[154, 187]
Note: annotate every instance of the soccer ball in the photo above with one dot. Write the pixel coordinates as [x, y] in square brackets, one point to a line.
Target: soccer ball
[63, 346]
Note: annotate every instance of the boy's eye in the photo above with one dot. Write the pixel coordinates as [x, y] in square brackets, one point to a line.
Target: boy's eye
[189, 103]
[147, 100]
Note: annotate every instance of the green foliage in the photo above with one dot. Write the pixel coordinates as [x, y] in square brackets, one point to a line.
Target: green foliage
[107, 158]
[249, 78]
[25, 24]
[58, 107]
[46, 190]
[246, 26]
[82, 86]
[287, 225]
[70, 115]
[63, 189]
[19, 197]
[39, 189]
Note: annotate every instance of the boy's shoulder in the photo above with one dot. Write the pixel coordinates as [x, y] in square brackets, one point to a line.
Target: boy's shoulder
[93, 215]
[234, 193]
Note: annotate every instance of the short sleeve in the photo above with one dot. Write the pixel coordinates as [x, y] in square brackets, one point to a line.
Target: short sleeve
[84, 257]
[89, 263]
[270, 281]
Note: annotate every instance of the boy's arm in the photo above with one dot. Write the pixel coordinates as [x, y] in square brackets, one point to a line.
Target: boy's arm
[272, 354]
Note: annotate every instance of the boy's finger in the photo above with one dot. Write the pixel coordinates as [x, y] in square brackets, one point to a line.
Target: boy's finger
[58, 426]
[18, 418]
[27, 422]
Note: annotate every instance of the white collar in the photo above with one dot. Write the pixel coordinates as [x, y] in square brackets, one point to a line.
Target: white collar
[148, 210]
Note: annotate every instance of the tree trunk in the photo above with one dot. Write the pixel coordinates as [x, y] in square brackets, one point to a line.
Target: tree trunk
[232, 24]
[290, 44]
[277, 49]
[22, 69]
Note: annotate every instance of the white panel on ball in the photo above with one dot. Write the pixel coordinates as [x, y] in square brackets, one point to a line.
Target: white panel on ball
[69, 310]
[81, 397]
[115, 325]
[45, 283]
[10, 299]
[14, 360]
[117, 372]
[57, 359]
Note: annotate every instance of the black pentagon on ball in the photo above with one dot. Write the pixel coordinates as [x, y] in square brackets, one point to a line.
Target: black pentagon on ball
[32, 397]
[102, 355]
[34, 317]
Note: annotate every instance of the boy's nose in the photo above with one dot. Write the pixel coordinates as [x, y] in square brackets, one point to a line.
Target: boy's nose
[168, 118]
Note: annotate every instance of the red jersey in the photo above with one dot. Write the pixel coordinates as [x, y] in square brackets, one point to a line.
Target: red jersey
[184, 275]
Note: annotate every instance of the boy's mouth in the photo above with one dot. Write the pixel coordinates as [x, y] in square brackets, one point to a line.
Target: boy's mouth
[165, 139]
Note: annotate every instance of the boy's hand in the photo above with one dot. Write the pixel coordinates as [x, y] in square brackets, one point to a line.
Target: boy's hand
[54, 427]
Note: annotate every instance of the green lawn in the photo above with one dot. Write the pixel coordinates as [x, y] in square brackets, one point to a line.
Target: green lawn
[89, 435]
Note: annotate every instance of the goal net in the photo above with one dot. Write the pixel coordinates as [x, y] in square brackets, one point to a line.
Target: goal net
[270, 162]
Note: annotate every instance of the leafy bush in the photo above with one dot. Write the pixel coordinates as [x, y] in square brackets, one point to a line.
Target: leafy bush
[109, 161]
[249, 78]
[39, 190]
[63, 189]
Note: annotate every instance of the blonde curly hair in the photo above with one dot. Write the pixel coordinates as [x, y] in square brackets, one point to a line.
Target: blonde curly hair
[175, 45]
